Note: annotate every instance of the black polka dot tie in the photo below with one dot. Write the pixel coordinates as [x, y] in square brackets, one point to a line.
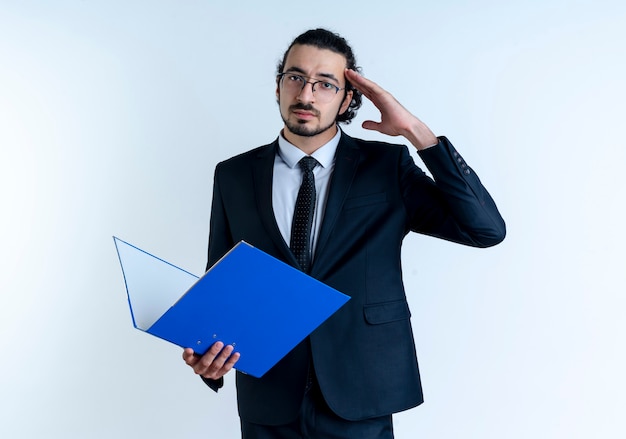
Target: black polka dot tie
[303, 215]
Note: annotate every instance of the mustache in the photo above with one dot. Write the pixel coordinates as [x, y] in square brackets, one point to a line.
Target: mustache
[305, 107]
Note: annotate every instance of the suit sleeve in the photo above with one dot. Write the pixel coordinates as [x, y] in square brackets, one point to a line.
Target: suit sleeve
[455, 206]
[220, 237]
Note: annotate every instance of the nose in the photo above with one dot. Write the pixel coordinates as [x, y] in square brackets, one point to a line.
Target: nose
[307, 93]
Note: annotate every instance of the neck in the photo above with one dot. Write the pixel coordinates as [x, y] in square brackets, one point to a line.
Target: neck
[310, 144]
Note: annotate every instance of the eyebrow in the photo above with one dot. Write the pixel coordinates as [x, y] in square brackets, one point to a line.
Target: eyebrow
[320, 75]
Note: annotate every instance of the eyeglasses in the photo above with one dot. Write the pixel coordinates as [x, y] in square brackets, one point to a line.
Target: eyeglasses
[294, 84]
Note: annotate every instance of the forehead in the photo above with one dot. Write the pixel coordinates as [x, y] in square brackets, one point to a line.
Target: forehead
[314, 61]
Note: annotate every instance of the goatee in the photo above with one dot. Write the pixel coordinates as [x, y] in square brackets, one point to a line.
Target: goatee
[300, 127]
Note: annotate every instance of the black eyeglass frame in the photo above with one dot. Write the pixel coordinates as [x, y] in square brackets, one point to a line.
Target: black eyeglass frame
[307, 80]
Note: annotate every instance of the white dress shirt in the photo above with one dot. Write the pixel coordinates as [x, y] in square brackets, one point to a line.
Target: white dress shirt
[288, 177]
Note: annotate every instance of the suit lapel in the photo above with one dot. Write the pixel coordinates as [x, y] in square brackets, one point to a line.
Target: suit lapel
[346, 164]
[263, 171]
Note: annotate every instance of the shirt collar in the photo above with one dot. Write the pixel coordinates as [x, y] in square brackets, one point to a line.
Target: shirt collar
[291, 154]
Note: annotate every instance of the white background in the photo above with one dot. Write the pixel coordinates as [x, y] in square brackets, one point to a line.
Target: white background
[113, 115]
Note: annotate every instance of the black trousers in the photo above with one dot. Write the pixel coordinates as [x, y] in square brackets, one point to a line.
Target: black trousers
[317, 421]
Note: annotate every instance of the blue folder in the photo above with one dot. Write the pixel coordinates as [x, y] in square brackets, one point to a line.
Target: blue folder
[249, 299]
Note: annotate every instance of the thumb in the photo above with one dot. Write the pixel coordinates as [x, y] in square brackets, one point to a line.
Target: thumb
[371, 125]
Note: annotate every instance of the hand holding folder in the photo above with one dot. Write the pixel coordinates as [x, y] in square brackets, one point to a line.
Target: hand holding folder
[250, 300]
[215, 363]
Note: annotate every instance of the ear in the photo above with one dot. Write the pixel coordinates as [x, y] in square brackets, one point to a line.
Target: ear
[346, 102]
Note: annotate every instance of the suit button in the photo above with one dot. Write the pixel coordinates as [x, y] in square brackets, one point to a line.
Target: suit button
[466, 172]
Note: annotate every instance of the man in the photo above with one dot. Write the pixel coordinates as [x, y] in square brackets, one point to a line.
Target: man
[359, 367]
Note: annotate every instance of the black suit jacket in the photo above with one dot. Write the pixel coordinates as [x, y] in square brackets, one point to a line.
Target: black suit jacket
[364, 355]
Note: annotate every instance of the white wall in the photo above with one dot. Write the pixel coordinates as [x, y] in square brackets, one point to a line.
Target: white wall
[113, 115]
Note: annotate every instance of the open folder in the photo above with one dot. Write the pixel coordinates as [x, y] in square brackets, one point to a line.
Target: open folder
[249, 299]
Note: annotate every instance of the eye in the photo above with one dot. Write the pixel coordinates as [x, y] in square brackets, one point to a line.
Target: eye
[295, 78]
[327, 86]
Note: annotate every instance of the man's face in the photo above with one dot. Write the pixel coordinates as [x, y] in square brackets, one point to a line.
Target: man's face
[303, 113]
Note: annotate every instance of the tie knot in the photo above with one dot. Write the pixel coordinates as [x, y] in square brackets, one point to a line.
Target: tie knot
[307, 163]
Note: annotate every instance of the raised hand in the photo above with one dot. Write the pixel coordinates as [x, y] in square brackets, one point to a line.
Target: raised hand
[395, 120]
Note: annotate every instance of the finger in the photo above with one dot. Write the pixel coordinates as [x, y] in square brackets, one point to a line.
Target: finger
[190, 357]
[354, 76]
[209, 365]
[217, 367]
[232, 360]
[367, 87]
[223, 357]
[371, 125]
[357, 81]
[227, 366]
[202, 365]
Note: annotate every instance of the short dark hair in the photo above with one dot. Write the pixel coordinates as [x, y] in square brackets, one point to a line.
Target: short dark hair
[325, 39]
